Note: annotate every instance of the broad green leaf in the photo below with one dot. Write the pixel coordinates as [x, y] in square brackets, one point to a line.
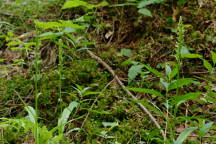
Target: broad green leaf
[69, 30]
[213, 56]
[164, 83]
[206, 127]
[126, 52]
[168, 70]
[207, 65]
[143, 90]
[2, 60]
[181, 99]
[144, 3]
[191, 56]
[32, 116]
[174, 72]
[181, 2]
[48, 35]
[133, 72]
[184, 50]
[74, 3]
[70, 24]
[179, 83]
[65, 115]
[145, 12]
[183, 136]
[109, 124]
[84, 18]
[102, 4]
[154, 71]
[14, 43]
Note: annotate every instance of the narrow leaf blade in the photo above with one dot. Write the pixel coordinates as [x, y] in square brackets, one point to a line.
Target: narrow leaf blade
[154, 71]
[143, 90]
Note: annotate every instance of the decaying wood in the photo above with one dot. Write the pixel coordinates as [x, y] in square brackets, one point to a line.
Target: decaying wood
[142, 107]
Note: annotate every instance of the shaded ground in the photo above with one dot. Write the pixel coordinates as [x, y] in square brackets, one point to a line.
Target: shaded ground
[152, 40]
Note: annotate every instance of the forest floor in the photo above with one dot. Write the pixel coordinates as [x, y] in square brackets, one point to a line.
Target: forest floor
[115, 72]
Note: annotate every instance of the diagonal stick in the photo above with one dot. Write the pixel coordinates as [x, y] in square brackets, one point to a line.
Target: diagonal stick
[127, 91]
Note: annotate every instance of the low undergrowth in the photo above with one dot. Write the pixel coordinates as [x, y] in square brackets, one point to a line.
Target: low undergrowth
[163, 53]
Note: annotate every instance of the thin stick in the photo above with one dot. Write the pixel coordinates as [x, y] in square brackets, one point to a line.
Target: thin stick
[127, 91]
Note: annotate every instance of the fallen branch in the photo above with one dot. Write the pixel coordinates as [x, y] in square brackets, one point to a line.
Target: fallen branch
[127, 91]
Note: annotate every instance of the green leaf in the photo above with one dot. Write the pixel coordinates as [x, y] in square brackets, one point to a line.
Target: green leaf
[102, 4]
[191, 56]
[207, 65]
[109, 124]
[144, 3]
[65, 115]
[184, 50]
[143, 90]
[74, 3]
[126, 52]
[174, 72]
[181, 2]
[181, 99]
[56, 25]
[206, 127]
[168, 70]
[48, 35]
[32, 116]
[133, 72]
[213, 56]
[69, 30]
[70, 24]
[125, 4]
[164, 83]
[179, 83]
[145, 12]
[47, 25]
[182, 137]
[14, 43]
[154, 71]
[2, 60]
[90, 93]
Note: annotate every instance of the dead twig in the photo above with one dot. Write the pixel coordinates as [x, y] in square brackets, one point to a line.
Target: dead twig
[127, 91]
